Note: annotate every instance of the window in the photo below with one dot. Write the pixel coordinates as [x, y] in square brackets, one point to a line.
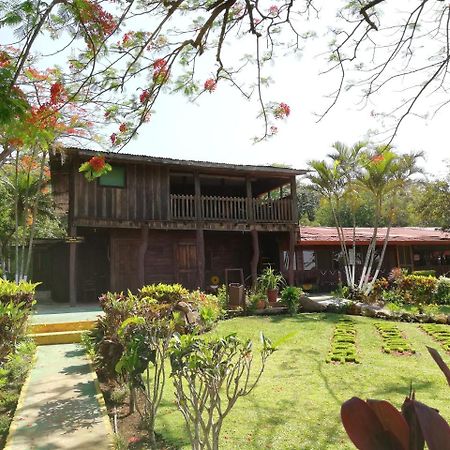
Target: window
[114, 178]
[309, 260]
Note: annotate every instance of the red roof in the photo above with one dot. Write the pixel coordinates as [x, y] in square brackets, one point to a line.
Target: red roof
[397, 235]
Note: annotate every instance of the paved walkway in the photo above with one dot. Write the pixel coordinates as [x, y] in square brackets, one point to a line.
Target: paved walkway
[60, 407]
[59, 313]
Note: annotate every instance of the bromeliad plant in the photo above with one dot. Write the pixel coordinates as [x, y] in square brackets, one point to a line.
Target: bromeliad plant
[377, 424]
[209, 377]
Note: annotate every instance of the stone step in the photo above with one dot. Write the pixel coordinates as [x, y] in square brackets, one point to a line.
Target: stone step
[39, 328]
[57, 337]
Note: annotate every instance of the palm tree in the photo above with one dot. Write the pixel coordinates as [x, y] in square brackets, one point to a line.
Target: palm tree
[379, 172]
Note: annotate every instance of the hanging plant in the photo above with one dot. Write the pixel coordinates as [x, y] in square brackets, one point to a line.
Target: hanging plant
[95, 167]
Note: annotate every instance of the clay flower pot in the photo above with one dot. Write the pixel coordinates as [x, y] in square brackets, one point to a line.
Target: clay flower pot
[272, 295]
[261, 304]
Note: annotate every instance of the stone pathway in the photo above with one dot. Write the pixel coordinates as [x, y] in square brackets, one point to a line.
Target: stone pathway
[60, 406]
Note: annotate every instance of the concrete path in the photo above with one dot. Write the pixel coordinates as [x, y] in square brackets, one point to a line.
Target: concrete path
[60, 313]
[60, 406]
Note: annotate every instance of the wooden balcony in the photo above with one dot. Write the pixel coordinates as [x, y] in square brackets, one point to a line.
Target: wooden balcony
[230, 209]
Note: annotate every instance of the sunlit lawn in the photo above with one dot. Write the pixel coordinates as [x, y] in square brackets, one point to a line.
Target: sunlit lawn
[297, 403]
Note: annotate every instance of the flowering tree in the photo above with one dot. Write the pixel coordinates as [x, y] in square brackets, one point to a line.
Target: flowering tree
[127, 52]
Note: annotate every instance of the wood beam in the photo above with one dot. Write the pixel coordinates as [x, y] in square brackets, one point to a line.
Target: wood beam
[73, 268]
[255, 256]
[200, 258]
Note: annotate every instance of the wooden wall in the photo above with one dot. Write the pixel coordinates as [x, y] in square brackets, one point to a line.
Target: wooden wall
[226, 250]
[145, 196]
[171, 257]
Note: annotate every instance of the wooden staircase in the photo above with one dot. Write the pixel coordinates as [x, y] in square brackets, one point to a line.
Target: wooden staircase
[59, 333]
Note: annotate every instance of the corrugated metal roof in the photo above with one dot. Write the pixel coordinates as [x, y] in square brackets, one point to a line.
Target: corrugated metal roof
[186, 162]
[399, 235]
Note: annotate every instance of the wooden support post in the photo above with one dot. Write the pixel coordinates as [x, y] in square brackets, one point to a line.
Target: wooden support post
[293, 189]
[292, 234]
[249, 199]
[201, 258]
[73, 267]
[197, 198]
[255, 256]
[141, 255]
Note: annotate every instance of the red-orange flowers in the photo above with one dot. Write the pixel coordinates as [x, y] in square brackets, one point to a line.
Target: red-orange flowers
[210, 85]
[97, 163]
[160, 71]
[281, 111]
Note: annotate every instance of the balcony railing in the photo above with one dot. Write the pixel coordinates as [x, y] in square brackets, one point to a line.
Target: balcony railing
[233, 209]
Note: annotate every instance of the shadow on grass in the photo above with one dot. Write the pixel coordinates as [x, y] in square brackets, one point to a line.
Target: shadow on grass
[307, 317]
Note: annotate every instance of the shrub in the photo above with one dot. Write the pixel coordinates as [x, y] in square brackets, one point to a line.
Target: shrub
[16, 302]
[442, 293]
[142, 363]
[420, 288]
[164, 293]
[209, 376]
[153, 302]
[424, 273]
[13, 371]
[290, 297]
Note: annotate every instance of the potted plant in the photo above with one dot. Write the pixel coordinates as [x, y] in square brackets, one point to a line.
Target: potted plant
[269, 281]
[290, 297]
[257, 300]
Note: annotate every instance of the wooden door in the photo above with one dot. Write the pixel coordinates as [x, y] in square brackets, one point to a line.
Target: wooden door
[186, 264]
[124, 265]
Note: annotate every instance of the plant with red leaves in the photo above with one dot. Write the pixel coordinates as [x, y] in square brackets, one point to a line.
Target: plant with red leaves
[378, 425]
[123, 127]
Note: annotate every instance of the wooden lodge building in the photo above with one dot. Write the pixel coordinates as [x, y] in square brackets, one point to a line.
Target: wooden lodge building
[155, 220]
[318, 259]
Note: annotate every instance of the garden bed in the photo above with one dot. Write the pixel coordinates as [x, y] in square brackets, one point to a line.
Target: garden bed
[13, 373]
[298, 389]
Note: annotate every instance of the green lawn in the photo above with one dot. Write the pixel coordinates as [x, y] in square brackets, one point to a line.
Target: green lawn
[297, 403]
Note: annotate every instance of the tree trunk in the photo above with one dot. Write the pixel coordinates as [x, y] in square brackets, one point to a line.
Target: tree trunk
[34, 214]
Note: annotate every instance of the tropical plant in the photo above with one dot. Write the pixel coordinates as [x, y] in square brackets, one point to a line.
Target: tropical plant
[209, 377]
[377, 424]
[290, 297]
[269, 279]
[16, 302]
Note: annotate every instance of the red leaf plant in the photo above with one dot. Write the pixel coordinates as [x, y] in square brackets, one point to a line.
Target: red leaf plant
[378, 425]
